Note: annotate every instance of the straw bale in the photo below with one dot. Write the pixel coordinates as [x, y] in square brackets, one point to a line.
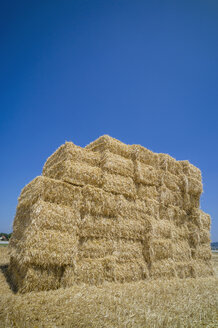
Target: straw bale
[16, 272]
[175, 215]
[48, 216]
[201, 219]
[192, 224]
[128, 250]
[204, 236]
[145, 191]
[202, 268]
[169, 197]
[76, 173]
[21, 223]
[184, 269]
[48, 247]
[91, 271]
[194, 186]
[49, 190]
[182, 232]
[194, 238]
[181, 251]
[98, 202]
[146, 174]
[108, 143]
[146, 209]
[131, 271]
[202, 252]
[190, 170]
[205, 220]
[195, 218]
[43, 215]
[198, 235]
[138, 208]
[168, 163]
[163, 269]
[16, 279]
[117, 164]
[172, 181]
[95, 247]
[106, 269]
[178, 218]
[126, 207]
[121, 249]
[163, 229]
[68, 276]
[169, 212]
[119, 184]
[27, 278]
[39, 279]
[69, 151]
[144, 155]
[150, 207]
[97, 227]
[160, 249]
[190, 202]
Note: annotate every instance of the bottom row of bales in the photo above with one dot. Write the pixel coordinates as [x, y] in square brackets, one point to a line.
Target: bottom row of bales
[98, 271]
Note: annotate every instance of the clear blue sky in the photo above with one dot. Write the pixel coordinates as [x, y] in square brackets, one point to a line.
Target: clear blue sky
[145, 72]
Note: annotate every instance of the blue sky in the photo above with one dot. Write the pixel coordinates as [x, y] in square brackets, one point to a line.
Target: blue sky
[145, 72]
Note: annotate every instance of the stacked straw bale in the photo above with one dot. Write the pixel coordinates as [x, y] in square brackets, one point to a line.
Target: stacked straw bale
[109, 212]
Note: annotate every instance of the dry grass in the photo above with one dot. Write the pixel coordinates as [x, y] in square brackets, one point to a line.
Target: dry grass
[151, 303]
[215, 262]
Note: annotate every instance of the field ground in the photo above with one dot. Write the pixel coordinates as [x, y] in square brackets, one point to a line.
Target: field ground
[150, 304]
[215, 262]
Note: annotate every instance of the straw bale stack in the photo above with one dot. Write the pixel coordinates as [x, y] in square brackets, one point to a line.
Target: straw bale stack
[109, 212]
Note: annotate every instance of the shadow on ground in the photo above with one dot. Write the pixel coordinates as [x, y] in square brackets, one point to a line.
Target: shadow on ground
[5, 270]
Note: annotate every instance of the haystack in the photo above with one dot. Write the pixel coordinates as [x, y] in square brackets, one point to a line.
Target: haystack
[109, 212]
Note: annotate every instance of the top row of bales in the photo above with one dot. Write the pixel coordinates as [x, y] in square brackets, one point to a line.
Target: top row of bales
[131, 170]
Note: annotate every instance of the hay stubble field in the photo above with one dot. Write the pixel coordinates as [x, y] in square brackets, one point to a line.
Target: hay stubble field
[151, 303]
